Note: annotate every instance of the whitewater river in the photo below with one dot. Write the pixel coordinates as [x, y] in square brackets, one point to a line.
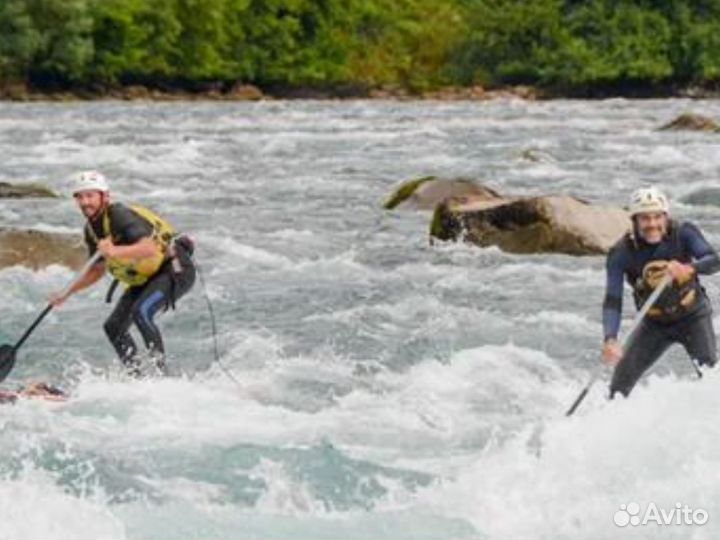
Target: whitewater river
[384, 388]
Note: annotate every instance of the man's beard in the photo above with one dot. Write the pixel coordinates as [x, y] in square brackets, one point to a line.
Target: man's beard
[654, 232]
[89, 211]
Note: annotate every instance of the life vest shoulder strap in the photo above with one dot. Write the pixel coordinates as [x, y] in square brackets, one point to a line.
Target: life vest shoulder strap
[162, 230]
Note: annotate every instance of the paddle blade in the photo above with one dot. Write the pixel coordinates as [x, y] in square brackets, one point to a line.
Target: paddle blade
[7, 360]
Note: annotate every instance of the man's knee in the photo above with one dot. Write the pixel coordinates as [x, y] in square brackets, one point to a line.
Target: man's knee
[620, 387]
[137, 317]
[626, 375]
[144, 312]
[699, 341]
[707, 361]
[707, 355]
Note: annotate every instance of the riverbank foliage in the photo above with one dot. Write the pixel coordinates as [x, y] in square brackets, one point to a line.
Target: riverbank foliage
[563, 46]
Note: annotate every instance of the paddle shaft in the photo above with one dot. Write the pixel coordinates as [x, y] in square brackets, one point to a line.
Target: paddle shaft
[90, 262]
[638, 319]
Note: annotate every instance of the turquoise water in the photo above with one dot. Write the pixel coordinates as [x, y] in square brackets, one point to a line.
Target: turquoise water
[383, 388]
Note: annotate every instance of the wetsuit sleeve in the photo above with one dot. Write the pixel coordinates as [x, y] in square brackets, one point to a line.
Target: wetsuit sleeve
[706, 258]
[612, 305]
[128, 227]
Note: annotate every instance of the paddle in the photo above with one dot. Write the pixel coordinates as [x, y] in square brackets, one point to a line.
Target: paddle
[638, 319]
[8, 352]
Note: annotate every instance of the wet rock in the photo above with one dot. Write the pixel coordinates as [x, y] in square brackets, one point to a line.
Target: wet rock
[389, 92]
[535, 155]
[703, 197]
[427, 192]
[514, 92]
[135, 92]
[245, 92]
[478, 93]
[554, 224]
[38, 249]
[692, 122]
[17, 91]
[454, 93]
[22, 191]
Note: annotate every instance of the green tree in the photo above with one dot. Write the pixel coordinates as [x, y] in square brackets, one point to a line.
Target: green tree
[695, 40]
[510, 41]
[135, 39]
[65, 45]
[620, 42]
[206, 40]
[19, 40]
[406, 42]
[296, 41]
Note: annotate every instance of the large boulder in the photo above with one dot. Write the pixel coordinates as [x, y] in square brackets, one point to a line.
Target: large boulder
[38, 249]
[554, 224]
[708, 196]
[692, 122]
[427, 192]
[22, 191]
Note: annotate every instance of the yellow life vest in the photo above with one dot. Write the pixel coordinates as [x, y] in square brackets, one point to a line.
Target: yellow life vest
[133, 272]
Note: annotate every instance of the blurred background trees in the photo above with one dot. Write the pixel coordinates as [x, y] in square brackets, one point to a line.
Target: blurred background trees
[562, 46]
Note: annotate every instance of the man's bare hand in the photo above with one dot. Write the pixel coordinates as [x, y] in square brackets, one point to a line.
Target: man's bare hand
[57, 299]
[612, 352]
[106, 247]
[680, 272]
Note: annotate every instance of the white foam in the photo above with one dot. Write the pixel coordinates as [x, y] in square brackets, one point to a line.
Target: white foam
[33, 506]
[661, 446]
[283, 495]
[569, 323]
[252, 255]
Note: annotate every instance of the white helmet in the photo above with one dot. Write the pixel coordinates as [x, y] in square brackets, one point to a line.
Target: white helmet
[648, 199]
[90, 181]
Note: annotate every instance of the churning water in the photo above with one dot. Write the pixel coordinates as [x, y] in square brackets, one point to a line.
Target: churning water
[385, 388]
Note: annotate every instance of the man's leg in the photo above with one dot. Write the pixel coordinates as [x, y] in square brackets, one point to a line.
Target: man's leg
[155, 296]
[159, 293]
[645, 347]
[698, 337]
[116, 327]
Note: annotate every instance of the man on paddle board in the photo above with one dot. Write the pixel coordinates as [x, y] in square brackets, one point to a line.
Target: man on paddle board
[143, 252]
[655, 247]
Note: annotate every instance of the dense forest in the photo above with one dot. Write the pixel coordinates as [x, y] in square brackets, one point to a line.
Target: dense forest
[570, 47]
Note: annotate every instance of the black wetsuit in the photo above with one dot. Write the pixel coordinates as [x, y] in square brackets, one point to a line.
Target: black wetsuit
[139, 304]
[672, 321]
